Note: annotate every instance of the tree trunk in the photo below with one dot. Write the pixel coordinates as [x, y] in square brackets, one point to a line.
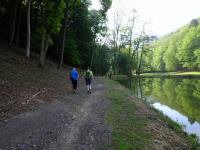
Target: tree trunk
[18, 24]
[140, 63]
[63, 42]
[41, 63]
[64, 34]
[91, 62]
[43, 51]
[28, 30]
[13, 23]
[115, 62]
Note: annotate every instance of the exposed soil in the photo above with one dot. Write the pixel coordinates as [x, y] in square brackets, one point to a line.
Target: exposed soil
[24, 86]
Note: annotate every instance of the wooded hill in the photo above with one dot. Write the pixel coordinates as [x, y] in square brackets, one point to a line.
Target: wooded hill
[178, 51]
[64, 30]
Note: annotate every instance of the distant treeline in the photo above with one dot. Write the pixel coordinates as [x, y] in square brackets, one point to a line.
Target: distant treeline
[62, 29]
[178, 51]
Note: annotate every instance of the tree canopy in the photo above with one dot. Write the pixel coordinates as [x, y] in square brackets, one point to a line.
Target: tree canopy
[178, 51]
[49, 19]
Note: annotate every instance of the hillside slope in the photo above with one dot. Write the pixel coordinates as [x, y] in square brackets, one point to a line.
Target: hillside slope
[24, 86]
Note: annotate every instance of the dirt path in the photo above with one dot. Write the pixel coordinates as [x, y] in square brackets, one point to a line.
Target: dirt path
[72, 123]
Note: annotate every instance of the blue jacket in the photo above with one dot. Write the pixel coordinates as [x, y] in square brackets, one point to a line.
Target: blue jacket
[74, 74]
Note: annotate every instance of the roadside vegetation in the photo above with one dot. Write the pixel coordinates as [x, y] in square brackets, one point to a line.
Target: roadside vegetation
[172, 74]
[135, 125]
[128, 129]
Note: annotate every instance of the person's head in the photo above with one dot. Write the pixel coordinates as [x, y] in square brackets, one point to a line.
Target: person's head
[74, 69]
[88, 69]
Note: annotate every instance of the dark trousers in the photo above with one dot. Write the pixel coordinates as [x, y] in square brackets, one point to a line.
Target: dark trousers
[74, 83]
[88, 81]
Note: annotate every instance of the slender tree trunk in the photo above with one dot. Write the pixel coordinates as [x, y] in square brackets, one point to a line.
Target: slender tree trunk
[99, 60]
[28, 30]
[140, 87]
[64, 33]
[91, 62]
[18, 24]
[13, 23]
[41, 63]
[140, 63]
[63, 42]
[43, 51]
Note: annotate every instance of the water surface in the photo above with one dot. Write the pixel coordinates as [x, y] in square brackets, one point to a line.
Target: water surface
[179, 99]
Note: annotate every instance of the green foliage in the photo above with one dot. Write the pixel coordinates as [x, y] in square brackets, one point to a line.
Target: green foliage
[177, 51]
[170, 56]
[101, 59]
[72, 54]
[106, 4]
[124, 62]
[47, 20]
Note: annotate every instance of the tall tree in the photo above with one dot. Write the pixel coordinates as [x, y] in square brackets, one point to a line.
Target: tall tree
[18, 23]
[13, 26]
[116, 36]
[65, 22]
[28, 42]
[49, 24]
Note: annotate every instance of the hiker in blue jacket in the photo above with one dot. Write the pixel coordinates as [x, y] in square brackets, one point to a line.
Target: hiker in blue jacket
[74, 78]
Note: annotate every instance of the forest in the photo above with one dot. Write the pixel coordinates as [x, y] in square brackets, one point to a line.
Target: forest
[63, 30]
[69, 32]
[177, 51]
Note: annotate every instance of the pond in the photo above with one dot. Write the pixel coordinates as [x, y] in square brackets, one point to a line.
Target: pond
[177, 98]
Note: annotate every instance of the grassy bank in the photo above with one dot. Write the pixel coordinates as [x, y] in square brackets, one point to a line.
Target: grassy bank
[128, 129]
[162, 75]
[173, 74]
[137, 126]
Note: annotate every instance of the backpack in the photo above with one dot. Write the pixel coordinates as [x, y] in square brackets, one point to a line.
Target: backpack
[87, 74]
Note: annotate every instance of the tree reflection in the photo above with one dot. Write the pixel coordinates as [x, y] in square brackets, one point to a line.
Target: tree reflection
[183, 95]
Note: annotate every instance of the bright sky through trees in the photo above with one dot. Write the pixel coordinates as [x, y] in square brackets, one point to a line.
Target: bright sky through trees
[162, 16]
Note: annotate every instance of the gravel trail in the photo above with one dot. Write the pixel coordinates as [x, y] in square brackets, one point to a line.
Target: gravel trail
[75, 122]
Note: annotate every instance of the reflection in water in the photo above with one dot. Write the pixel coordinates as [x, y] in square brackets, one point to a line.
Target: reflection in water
[191, 128]
[179, 99]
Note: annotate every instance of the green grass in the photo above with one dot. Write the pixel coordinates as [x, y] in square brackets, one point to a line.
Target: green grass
[172, 74]
[128, 130]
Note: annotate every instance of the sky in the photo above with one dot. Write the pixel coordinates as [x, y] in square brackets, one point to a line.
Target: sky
[161, 16]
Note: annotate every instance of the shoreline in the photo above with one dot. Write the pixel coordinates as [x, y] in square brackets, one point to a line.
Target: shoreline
[132, 121]
[162, 75]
